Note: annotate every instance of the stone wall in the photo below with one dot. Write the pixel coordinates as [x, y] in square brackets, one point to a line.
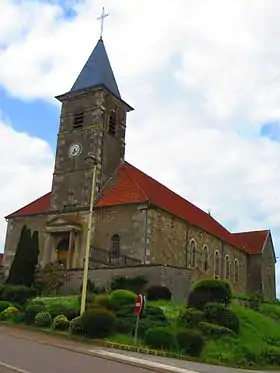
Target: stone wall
[178, 280]
[268, 270]
[128, 221]
[169, 243]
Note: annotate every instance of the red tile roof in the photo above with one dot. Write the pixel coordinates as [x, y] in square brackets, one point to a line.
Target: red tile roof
[1, 259]
[130, 185]
[253, 241]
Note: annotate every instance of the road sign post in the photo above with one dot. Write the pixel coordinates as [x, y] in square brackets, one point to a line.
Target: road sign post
[138, 310]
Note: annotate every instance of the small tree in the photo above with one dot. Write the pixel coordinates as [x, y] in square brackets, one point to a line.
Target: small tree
[50, 278]
[24, 264]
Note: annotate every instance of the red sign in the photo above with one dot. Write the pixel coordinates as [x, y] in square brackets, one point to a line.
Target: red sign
[138, 304]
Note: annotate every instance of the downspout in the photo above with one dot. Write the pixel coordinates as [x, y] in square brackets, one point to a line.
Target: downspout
[187, 248]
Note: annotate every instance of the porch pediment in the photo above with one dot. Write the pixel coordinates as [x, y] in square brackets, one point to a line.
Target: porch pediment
[60, 224]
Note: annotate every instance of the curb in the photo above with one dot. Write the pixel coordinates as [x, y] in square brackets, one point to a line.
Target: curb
[103, 354]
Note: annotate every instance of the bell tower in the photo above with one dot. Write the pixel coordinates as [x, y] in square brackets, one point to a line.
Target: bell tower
[93, 120]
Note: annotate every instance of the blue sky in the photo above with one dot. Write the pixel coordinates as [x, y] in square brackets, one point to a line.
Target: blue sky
[206, 88]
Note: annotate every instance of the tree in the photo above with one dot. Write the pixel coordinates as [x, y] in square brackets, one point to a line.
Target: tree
[51, 277]
[26, 258]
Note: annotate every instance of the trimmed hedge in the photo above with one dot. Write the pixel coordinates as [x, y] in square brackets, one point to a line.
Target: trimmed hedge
[191, 342]
[209, 291]
[160, 338]
[16, 293]
[31, 311]
[121, 298]
[76, 326]
[60, 322]
[217, 313]
[190, 318]
[214, 331]
[98, 323]
[43, 319]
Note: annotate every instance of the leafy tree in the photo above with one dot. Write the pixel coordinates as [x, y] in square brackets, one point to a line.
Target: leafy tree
[24, 264]
[51, 277]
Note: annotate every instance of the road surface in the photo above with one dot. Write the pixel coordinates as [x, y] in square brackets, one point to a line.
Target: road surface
[31, 357]
[25, 351]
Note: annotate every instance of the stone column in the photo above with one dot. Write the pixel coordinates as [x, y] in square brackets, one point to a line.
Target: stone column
[69, 262]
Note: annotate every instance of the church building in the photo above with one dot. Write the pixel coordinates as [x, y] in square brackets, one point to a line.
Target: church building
[139, 226]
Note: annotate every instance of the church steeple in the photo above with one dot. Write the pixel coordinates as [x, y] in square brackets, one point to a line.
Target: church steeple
[97, 72]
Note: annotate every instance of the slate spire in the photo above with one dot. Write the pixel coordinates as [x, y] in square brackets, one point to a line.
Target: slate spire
[97, 72]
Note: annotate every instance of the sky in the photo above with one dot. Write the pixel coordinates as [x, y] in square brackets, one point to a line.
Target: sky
[203, 77]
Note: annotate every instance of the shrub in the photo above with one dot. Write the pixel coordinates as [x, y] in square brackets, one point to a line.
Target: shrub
[17, 293]
[158, 292]
[120, 298]
[255, 301]
[207, 291]
[76, 326]
[160, 338]
[190, 318]
[191, 342]
[60, 322]
[43, 319]
[9, 313]
[98, 323]
[271, 355]
[60, 309]
[135, 284]
[217, 313]
[103, 300]
[214, 331]
[32, 310]
[4, 305]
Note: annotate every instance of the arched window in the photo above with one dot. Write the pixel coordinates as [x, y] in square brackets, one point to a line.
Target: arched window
[192, 254]
[217, 264]
[227, 267]
[236, 271]
[113, 120]
[205, 260]
[115, 246]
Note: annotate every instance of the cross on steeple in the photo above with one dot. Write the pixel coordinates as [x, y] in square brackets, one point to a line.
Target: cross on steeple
[102, 17]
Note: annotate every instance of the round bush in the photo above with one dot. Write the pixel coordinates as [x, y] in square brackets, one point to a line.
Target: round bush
[43, 319]
[60, 322]
[9, 313]
[158, 292]
[215, 331]
[217, 313]
[31, 311]
[76, 326]
[207, 291]
[103, 300]
[98, 323]
[191, 342]
[120, 298]
[190, 318]
[160, 338]
[4, 305]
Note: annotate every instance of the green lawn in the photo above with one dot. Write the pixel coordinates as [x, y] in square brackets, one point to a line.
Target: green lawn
[71, 301]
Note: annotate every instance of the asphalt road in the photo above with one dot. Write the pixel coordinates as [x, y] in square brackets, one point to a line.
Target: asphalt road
[32, 357]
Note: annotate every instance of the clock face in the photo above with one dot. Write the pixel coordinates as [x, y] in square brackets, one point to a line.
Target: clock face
[75, 150]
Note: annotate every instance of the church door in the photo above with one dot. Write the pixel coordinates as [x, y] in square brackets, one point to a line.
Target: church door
[62, 251]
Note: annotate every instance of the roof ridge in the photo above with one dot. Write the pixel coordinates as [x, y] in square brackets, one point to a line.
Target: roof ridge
[254, 231]
[135, 182]
[179, 196]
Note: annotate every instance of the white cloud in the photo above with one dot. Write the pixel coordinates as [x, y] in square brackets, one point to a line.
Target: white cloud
[25, 170]
[203, 77]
